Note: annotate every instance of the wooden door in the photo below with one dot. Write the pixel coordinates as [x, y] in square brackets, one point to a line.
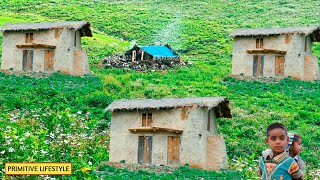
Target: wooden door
[27, 60]
[145, 149]
[173, 150]
[258, 63]
[279, 66]
[48, 60]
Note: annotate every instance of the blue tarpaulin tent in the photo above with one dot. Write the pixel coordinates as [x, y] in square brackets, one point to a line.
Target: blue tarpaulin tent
[159, 51]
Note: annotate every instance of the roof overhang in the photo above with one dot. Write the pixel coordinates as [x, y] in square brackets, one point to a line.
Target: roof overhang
[222, 104]
[155, 129]
[270, 51]
[314, 31]
[82, 26]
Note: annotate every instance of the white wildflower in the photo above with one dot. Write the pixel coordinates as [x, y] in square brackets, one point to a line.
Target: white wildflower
[52, 135]
[12, 120]
[65, 141]
[11, 149]
[43, 151]
[2, 152]
[46, 142]
[79, 112]
[8, 142]
[59, 116]
[90, 163]
[27, 134]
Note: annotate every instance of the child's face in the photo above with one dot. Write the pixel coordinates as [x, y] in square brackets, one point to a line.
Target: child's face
[277, 140]
[296, 147]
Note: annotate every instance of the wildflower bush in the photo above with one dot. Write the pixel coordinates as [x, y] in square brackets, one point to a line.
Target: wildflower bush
[40, 135]
[53, 119]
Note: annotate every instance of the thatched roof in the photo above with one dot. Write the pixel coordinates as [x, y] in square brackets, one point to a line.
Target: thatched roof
[222, 103]
[274, 31]
[165, 103]
[76, 25]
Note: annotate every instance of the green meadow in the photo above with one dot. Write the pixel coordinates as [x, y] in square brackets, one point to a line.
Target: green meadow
[61, 118]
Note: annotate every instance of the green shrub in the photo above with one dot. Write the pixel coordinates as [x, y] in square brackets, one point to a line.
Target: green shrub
[98, 99]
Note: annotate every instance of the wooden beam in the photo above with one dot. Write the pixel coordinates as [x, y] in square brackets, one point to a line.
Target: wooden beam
[155, 129]
[266, 51]
[34, 45]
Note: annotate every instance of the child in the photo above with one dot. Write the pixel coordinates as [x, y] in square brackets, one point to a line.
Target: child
[277, 164]
[294, 149]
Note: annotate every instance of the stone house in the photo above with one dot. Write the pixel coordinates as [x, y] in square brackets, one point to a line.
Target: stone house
[47, 47]
[276, 52]
[170, 131]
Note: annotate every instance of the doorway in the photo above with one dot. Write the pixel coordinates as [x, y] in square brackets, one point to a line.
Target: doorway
[145, 149]
[279, 66]
[173, 150]
[258, 63]
[48, 60]
[27, 60]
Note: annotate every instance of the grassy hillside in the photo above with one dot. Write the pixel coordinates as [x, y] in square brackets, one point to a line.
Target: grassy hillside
[61, 118]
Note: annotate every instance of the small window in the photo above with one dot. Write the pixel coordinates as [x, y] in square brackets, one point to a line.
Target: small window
[208, 125]
[75, 39]
[146, 119]
[29, 37]
[259, 43]
[305, 44]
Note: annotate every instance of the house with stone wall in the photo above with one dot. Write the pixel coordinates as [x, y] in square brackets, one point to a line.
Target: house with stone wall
[276, 52]
[46, 47]
[170, 131]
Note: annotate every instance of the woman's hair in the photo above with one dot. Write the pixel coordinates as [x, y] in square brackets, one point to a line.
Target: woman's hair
[296, 137]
